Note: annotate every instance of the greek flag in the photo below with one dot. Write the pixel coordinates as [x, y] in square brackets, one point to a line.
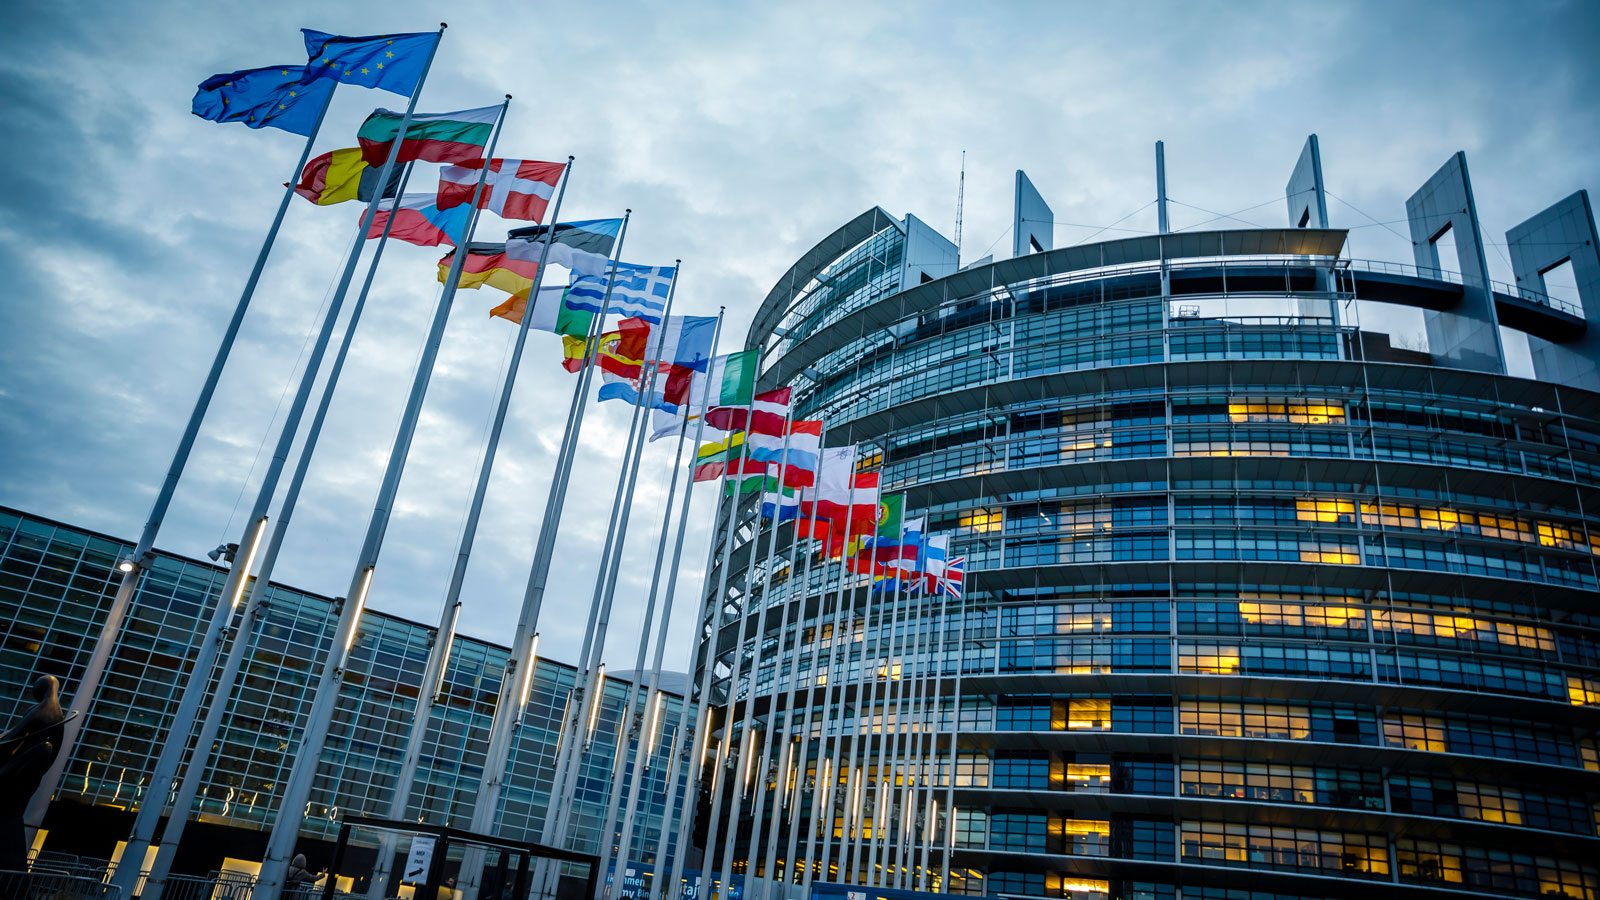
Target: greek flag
[638, 291]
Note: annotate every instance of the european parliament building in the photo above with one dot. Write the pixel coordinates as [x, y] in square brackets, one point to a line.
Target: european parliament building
[1257, 605]
[56, 582]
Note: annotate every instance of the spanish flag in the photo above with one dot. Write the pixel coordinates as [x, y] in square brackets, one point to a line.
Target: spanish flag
[489, 264]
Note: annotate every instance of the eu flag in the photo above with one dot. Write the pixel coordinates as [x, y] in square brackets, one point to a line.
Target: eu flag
[390, 62]
[274, 95]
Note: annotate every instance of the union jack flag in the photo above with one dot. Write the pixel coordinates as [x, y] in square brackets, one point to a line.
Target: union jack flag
[952, 579]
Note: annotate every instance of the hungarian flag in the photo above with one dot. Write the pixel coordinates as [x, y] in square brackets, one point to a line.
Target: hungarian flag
[418, 221]
[489, 264]
[513, 189]
[767, 414]
[340, 175]
[452, 137]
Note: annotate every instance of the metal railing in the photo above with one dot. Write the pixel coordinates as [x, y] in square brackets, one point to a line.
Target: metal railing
[1499, 287]
[43, 883]
[217, 886]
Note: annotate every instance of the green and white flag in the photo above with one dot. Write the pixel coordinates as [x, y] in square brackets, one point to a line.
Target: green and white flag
[732, 379]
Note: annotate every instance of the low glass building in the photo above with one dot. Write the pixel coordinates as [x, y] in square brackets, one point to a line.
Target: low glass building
[56, 582]
[1256, 605]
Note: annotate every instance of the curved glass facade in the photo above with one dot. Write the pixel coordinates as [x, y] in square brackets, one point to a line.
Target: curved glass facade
[1254, 603]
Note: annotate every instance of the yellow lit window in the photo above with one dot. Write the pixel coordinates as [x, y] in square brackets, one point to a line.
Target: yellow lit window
[1319, 509]
[1081, 777]
[1209, 659]
[1088, 714]
[981, 520]
[1583, 691]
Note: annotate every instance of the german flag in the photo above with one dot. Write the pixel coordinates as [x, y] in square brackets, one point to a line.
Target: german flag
[488, 264]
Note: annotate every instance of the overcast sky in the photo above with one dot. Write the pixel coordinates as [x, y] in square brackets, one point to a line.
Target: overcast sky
[740, 134]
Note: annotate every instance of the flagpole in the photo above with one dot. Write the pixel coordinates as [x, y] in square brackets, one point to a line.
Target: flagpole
[589, 686]
[196, 685]
[804, 754]
[780, 791]
[291, 810]
[772, 740]
[713, 607]
[439, 653]
[642, 756]
[517, 678]
[656, 883]
[755, 665]
[836, 687]
[892, 692]
[867, 688]
[955, 695]
[134, 566]
[605, 593]
[935, 720]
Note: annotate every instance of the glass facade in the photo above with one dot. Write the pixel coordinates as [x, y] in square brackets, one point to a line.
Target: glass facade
[1255, 606]
[56, 583]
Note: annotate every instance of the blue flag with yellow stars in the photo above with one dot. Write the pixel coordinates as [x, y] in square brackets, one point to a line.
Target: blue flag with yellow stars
[390, 62]
[274, 95]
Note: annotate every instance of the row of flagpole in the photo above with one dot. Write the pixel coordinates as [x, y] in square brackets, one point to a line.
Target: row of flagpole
[238, 588]
[734, 771]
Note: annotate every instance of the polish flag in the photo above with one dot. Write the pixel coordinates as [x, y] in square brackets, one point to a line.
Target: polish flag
[513, 189]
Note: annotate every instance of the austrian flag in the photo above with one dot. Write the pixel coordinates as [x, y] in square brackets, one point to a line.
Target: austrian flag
[513, 189]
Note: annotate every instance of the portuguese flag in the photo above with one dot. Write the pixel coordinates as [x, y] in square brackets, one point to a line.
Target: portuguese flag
[453, 137]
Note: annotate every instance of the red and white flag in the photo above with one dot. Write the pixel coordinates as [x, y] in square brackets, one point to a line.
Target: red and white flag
[768, 414]
[513, 189]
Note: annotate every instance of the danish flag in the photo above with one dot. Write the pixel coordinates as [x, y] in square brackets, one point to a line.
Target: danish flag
[513, 189]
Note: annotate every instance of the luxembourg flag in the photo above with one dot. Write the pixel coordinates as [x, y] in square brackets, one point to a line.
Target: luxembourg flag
[513, 189]
[805, 443]
[419, 221]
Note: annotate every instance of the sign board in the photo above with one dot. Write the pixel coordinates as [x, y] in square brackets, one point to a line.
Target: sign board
[419, 860]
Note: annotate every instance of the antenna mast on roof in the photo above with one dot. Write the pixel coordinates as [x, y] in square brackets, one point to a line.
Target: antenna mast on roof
[961, 194]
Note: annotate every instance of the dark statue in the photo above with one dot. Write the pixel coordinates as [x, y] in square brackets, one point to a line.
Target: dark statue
[26, 753]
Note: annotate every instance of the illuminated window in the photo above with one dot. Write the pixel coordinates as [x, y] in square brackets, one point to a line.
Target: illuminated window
[1209, 659]
[1318, 509]
[1087, 777]
[981, 520]
[1089, 714]
[1308, 412]
[1416, 732]
[1242, 719]
[1583, 691]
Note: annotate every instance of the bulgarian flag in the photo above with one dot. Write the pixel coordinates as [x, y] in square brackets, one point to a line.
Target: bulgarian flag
[768, 413]
[513, 189]
[452, 137]
[418, 221]
[489, 264]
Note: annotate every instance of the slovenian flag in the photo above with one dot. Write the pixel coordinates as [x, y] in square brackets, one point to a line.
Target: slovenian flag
[513, 189]
[452, 137]
[805, 443]
[584, 247]
[418, 221]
